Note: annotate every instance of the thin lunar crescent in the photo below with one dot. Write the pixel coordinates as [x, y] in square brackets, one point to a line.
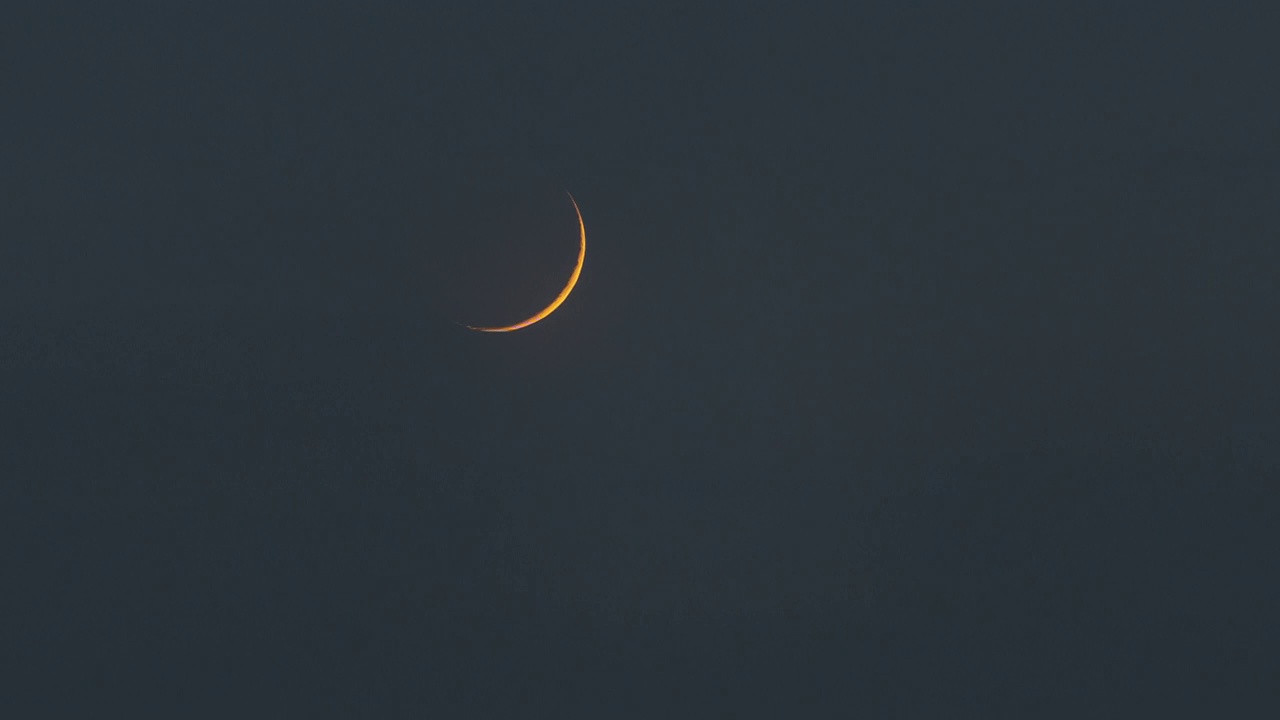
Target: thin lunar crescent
[573, 280]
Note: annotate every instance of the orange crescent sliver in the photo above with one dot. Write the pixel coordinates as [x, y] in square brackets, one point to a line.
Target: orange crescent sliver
[573, 280]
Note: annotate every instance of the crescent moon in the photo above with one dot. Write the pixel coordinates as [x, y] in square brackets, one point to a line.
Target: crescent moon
[573, 280]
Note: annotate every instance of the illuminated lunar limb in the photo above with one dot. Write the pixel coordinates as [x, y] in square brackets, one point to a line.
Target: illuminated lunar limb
[573, 280]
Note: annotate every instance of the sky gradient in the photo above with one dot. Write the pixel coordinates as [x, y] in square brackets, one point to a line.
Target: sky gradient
[922, 361]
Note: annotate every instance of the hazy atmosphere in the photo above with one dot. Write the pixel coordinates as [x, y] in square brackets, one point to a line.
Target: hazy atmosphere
[921, 364]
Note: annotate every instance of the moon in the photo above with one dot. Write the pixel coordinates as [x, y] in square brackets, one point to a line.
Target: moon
[573, 280]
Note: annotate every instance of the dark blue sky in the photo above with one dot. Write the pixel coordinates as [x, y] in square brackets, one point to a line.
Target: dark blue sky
[923, 359]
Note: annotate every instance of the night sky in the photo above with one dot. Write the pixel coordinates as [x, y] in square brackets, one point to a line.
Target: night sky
[922, 364]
